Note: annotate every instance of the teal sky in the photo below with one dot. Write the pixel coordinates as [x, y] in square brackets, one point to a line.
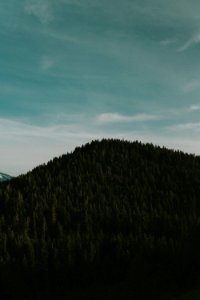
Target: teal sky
[76, 70]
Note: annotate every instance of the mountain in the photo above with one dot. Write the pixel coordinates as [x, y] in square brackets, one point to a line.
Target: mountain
[112, 220]
[5, 177]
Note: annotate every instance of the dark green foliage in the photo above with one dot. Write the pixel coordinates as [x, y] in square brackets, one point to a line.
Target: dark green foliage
[111, 214]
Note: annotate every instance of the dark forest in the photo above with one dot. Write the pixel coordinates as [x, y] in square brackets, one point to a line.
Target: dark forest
[112, 220]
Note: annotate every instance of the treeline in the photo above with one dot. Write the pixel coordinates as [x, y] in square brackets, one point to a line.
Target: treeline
[115, 214]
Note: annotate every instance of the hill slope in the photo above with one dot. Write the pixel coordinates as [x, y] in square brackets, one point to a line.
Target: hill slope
[114, 218]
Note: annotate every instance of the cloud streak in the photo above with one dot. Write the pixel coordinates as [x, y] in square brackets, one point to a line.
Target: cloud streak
[46, 63]
[194, 107]
[167, 42]
[191, 86]
[119, 118]
[194, 40]
[40, 9]
[191, 126]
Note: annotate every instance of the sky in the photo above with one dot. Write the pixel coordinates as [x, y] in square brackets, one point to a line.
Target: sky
[72, 71]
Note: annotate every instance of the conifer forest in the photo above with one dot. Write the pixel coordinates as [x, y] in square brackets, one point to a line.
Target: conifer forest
[112, 220]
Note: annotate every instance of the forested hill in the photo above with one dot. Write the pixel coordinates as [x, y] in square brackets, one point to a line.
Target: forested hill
[113, 220]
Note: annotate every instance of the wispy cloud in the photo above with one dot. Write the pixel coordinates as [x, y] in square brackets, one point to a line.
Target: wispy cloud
[167, 42]
[81, 3]
[191, 86]
[194, 40]
[19, 130]
[192, 126]
[119, 118]
[194, 107]
[46, 62]
[40, 9]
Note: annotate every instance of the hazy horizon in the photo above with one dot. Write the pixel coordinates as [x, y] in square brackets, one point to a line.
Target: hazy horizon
[73, 71]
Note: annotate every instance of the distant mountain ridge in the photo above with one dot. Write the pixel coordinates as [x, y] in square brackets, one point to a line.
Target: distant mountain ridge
[4, 177]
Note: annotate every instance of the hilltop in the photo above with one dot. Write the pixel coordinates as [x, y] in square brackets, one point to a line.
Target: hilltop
[112, 220]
